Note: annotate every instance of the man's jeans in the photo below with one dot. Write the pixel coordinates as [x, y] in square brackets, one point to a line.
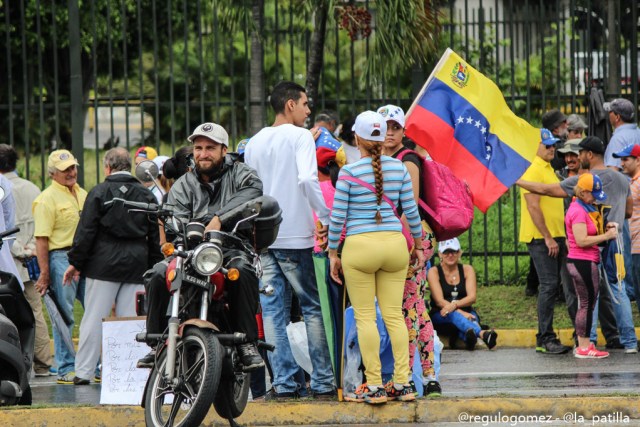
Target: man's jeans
[632, 282]
[550, 272]
[624, 317]
[65, 295]
[636, 275]
[285, 269]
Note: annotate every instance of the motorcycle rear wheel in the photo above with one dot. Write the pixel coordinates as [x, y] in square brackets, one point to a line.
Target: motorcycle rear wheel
[198, 366]
[232, 396]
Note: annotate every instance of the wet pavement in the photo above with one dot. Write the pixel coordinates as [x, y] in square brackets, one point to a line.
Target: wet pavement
[482, 373]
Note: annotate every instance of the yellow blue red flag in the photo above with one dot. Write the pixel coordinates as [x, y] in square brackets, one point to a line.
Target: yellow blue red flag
[461, 118]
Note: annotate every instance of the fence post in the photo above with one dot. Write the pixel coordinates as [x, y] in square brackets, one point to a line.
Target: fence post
[75, 80]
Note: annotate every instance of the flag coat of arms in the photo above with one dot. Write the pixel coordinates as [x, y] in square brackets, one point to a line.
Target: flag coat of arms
[461, 118]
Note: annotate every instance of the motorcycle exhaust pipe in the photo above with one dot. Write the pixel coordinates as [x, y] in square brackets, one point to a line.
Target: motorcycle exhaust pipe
[232, 339]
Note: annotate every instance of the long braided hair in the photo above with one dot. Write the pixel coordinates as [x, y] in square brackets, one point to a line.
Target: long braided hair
[375, 150]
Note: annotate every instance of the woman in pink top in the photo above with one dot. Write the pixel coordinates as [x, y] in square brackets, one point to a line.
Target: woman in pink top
[584, 232]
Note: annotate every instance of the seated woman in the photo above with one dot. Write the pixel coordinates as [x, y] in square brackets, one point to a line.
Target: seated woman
[453, 291]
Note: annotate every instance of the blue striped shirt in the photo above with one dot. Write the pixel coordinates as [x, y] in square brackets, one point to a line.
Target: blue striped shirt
[356, 205]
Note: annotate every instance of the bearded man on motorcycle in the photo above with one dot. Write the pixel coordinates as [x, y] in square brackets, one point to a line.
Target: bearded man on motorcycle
[217, 185]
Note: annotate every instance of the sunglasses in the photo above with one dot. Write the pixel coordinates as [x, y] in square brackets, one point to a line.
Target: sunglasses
[450, 252]
[549, 147]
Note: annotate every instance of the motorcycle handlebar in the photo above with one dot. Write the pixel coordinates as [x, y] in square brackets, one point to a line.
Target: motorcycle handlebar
[9, 232]
[151, 207]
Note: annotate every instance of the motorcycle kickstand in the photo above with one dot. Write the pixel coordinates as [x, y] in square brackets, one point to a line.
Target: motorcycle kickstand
[233, 423]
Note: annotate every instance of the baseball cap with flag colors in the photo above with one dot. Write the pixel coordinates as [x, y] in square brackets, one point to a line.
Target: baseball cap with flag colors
[370, 126]
[632, 150]
[61, 160]
[593, 184]
[392, 112]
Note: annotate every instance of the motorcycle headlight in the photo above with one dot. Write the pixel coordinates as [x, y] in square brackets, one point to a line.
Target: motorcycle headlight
[207, 259]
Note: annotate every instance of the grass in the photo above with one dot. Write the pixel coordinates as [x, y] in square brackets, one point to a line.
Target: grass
[501, 307]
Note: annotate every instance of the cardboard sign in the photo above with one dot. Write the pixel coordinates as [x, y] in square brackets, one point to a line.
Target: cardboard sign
[122, 382]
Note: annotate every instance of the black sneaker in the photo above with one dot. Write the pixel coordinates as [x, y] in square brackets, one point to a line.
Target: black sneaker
[251, 359]
[553, 347]
[470, 339]
[530, 292]
[80, 381]
[614, 344]
[433, 389]
[490, 338]
[274, 395]
[147, 361]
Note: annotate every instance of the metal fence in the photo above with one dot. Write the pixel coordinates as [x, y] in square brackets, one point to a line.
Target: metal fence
[128, 72]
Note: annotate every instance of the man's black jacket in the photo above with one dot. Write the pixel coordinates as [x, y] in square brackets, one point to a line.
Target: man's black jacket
[111, 243]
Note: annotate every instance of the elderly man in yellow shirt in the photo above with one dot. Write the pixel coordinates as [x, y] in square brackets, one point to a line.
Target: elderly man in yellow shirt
[57, 212]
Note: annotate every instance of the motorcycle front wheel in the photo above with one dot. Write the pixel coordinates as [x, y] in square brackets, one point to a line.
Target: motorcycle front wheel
[186, 401]
[232, 396]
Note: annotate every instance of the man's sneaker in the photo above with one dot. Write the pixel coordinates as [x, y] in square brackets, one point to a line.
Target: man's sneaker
[490, 338]
[404, 394]
[631, 350]
[553, 347]
[433, 389]
[274, 395]
[80, 381]
[614, 344]
[470, 339]
[530, 292]
[325, 395]
[46, 373]
[147, 361]
[97, 378]
[590, 352]
[66, 378]
[249, 356]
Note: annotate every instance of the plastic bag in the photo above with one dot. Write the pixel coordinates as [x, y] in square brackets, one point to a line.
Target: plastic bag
[297, 333]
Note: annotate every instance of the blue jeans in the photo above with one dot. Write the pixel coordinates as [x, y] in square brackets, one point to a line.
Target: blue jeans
[636, 275]
[285, 269]
[632, 282]
[461, 323]
[624, 317]
[65, 295]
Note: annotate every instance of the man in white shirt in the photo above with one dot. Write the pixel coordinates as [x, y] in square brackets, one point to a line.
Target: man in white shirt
[284, 157]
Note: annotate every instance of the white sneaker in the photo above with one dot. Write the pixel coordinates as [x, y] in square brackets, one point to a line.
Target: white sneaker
[631, 350]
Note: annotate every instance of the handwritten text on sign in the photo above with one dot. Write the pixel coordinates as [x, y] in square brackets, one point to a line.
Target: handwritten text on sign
[122, 382]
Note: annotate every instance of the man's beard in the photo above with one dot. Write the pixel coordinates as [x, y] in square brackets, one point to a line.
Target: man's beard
[215, 167]
[585, 165]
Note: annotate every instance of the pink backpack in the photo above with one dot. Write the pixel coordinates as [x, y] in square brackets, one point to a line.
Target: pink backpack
[446, 200]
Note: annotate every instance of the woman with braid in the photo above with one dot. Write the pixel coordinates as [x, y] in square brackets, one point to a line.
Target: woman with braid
[375, 258]
[415, 311]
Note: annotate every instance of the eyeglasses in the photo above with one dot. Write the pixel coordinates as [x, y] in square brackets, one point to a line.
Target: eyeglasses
[450, 252]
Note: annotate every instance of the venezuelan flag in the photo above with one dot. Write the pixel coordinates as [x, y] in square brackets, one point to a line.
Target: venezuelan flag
[461, 118]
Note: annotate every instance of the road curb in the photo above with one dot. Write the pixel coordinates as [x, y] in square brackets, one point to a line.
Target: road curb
[479, 411]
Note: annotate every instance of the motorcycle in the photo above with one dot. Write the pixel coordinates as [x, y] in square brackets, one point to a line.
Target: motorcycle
[197, 360]
[17, 338]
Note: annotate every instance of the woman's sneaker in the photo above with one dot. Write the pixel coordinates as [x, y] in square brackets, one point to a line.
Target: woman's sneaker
[590, 352]
[490, 338]
[404, 394]
[370, 394]
[433, 389]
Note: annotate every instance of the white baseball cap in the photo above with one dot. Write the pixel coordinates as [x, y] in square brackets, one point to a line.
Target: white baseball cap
[392, 112]
[213, 131]
[370, 126]
[451, 244]
[159, 161]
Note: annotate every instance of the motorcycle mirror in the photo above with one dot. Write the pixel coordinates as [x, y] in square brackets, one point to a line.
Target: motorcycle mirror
[147, 171]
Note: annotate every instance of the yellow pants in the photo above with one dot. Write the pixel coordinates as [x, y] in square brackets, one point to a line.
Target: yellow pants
[375, 265]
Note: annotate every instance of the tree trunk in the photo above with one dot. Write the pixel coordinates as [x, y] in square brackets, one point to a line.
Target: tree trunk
[316, 53]
[257, 105]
